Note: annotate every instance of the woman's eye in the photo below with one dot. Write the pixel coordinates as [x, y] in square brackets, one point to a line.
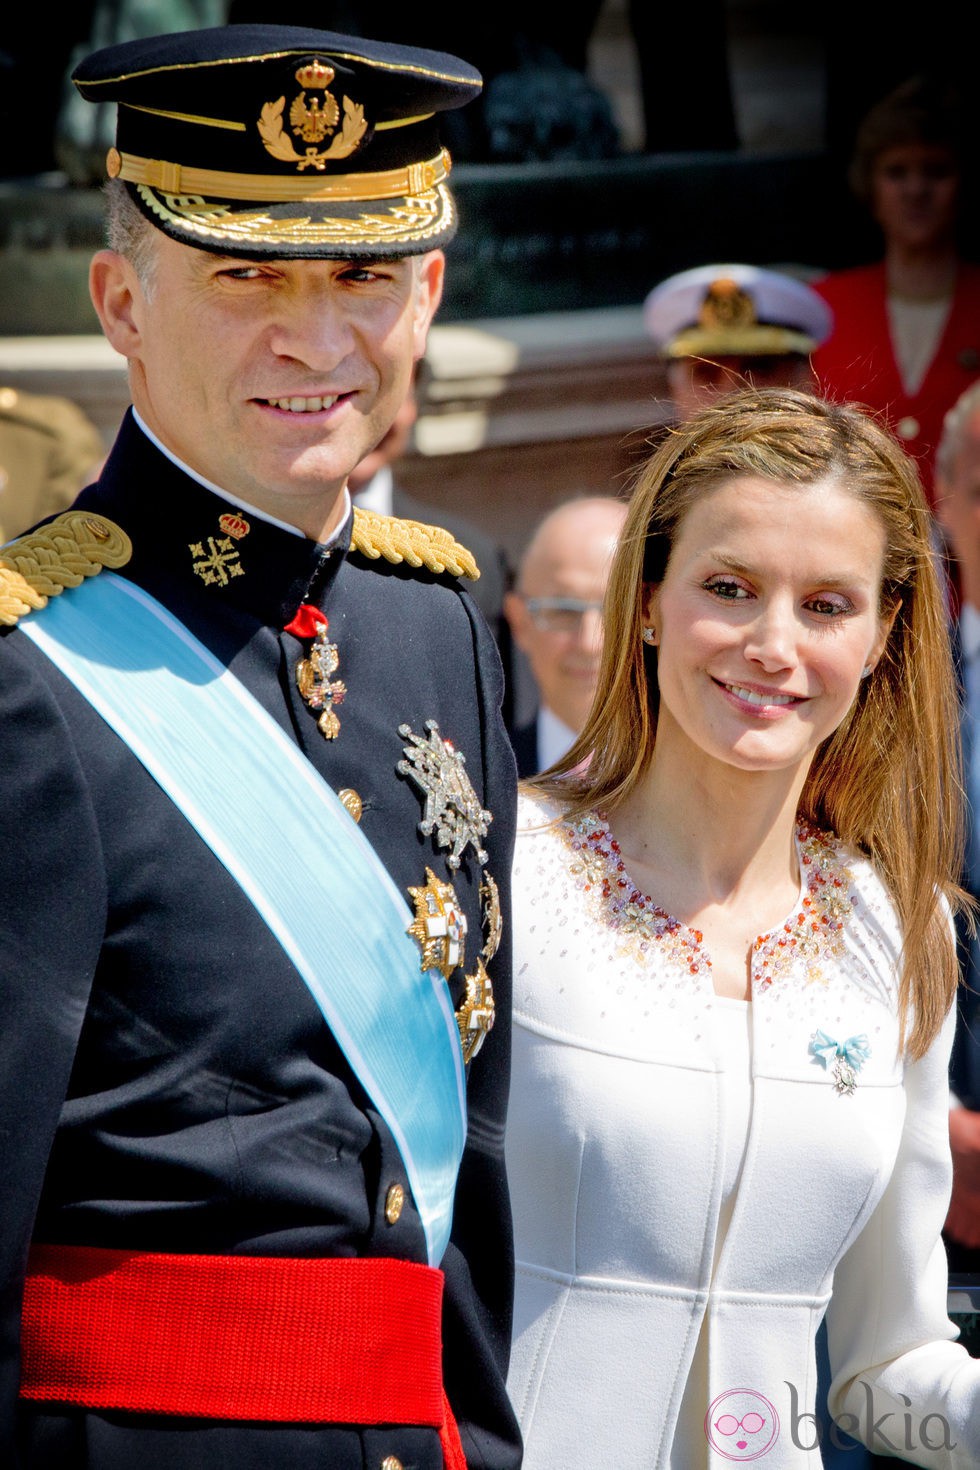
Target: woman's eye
[726, 588]
[829, 607]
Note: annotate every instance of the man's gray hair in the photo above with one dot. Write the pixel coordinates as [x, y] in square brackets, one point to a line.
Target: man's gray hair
[954, 424]
[130, 233]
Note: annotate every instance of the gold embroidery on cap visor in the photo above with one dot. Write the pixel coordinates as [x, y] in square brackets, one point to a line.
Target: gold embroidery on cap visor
[759, 340]
[413, 220]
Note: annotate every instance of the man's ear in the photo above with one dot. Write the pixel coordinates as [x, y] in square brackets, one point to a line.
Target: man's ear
[428, 294]
[115, 291]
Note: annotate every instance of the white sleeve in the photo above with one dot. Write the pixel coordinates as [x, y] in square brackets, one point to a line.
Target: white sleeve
[899, 1382]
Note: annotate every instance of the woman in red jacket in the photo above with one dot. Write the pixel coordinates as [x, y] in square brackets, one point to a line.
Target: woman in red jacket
[906, 338]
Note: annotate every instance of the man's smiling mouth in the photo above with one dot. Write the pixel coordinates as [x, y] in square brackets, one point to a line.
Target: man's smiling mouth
[303, 405]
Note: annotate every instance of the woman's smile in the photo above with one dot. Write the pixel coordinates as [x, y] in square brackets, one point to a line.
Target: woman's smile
[766, 703]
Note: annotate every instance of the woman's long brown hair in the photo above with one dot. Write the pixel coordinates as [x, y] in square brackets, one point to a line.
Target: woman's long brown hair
[888, 781]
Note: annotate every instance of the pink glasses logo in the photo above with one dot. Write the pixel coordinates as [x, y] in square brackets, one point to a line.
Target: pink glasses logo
[741, 1424]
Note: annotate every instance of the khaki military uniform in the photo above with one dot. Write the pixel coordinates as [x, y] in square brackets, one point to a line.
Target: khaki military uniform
[49, 450]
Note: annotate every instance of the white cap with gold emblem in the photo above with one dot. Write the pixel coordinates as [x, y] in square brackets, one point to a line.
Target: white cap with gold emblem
[735, 310]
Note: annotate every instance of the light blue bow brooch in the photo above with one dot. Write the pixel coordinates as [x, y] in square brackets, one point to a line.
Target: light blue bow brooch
[843, 1058]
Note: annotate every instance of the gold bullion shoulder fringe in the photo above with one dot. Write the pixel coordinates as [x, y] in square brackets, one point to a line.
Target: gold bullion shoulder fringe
[396, 540]
[61, 554]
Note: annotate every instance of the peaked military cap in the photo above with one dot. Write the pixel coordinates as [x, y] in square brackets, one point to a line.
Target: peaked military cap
[263, 140]
[735, 311]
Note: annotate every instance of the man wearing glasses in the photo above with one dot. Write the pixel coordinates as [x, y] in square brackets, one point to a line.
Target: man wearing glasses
[555, 617]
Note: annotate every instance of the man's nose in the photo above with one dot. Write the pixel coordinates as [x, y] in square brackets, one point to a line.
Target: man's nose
[590, 629]
[310, 326]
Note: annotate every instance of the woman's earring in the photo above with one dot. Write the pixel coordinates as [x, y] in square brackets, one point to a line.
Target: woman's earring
[867, 671]
[649, 635]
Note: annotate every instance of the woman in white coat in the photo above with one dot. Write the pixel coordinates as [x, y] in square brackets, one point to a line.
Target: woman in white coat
[734, 971]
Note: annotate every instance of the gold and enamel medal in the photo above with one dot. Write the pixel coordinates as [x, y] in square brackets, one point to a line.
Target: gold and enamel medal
[440, 925]
[314, 673]
[476, 1015]
[440, 929]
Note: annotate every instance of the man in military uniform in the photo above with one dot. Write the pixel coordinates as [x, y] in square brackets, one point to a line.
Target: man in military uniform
[260, 806]
[721, 327]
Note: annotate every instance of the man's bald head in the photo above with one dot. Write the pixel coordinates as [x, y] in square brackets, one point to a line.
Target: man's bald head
[958, 489]
[555, 611]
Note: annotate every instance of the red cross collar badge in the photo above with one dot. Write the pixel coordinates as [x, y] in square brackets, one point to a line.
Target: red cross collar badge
[313, 673]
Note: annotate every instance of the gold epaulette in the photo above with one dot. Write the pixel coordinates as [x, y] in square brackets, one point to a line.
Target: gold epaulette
[61, 554]
[410, 541]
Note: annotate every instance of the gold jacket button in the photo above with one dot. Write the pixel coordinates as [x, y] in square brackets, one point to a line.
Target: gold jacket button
[352, 802]
[394, 1201]
[908, 427]
[391, 1462]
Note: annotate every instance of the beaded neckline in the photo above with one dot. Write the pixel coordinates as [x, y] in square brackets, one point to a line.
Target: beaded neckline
[811, 937]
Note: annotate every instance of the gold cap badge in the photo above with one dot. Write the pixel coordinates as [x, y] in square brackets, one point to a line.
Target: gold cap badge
[312, 119]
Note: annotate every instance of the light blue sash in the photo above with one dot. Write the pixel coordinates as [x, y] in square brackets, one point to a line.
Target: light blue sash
[192, 724]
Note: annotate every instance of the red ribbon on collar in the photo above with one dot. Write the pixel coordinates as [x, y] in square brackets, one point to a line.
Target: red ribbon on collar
[307, 622]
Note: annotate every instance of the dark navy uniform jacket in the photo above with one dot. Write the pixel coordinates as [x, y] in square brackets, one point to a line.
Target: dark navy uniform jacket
[167, 1082]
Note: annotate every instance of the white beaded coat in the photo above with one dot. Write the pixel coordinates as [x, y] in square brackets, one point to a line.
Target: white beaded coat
[614, 1152]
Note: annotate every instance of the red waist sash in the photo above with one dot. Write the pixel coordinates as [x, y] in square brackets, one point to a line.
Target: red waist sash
[237, 1337]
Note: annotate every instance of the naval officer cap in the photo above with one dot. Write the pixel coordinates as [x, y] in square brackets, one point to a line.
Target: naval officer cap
[263, 140]
[735, 311]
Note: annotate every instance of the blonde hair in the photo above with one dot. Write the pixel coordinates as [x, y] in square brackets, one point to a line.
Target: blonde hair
[888, 780]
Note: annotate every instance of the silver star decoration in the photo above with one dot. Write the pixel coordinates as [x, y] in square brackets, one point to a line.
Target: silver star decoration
[845, 1078]
[452, 809]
